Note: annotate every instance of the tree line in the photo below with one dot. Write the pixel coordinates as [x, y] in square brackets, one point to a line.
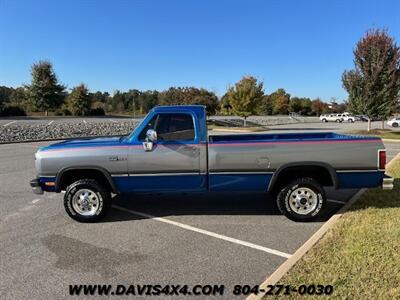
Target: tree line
[373, 87]
[247, 97]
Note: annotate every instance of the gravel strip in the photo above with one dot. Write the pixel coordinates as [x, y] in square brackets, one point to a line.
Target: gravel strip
[28, 132]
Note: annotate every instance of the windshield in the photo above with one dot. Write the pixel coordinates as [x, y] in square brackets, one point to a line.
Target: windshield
[128, 136]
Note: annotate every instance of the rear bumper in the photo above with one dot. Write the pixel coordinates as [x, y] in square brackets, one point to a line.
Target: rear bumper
[387, 183]
[36, 187]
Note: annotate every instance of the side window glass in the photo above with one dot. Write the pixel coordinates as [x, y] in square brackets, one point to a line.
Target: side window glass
[175, 127]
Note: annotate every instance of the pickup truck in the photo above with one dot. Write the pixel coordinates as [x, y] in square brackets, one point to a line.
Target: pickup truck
[171, 151]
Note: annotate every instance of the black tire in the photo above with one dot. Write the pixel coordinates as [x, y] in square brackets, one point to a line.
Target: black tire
[395, 125]
[302, 184]
[324, 120]
[100, 206]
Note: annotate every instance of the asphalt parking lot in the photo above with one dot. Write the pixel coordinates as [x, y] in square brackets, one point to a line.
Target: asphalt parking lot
[155, 239]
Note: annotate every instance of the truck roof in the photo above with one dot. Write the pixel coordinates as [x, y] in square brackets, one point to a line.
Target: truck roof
[193, 108]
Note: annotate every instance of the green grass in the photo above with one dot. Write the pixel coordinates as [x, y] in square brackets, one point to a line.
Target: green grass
[360, 255]
[383, 133]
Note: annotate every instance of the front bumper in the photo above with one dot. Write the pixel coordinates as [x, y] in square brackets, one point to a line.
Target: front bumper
[387, 183]
[36, 187]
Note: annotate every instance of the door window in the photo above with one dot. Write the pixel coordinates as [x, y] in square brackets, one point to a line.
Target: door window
[175, 127]
[170, 127]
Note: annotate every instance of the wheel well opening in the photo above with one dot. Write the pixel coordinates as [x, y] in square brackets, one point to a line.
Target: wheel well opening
[289, 174]
[70, 176]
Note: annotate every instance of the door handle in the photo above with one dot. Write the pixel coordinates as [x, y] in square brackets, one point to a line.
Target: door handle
[116, 158]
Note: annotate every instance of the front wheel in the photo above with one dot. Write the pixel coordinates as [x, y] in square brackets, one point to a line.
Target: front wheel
[302, 200]
[395, 125]
[86, 201]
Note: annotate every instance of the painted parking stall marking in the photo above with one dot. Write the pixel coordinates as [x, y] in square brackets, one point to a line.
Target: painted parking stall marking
[206, 232]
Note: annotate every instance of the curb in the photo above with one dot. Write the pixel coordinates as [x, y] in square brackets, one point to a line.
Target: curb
[391, 140]
[290, 262]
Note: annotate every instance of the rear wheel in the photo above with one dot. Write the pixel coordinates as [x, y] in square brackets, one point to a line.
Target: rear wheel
[395, 124]
[324, 120]
[302, 200]
[86, 200]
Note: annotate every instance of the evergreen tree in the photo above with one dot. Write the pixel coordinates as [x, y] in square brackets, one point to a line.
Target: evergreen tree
[45, 93]
[79, 101]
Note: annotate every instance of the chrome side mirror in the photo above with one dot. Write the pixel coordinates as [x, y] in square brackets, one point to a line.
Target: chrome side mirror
[151, 135]
[148, 146]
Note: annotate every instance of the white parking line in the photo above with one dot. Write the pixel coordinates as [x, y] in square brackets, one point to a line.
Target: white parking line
[206, 232]
[51, 122]
[34, 201]
[84, 121]
[112, 120]
[9, 123]
[336, 201]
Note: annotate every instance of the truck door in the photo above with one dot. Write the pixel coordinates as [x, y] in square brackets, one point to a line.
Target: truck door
[173, 164]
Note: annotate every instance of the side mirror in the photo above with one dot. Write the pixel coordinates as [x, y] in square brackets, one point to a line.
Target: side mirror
[148, 146]
[151, 135]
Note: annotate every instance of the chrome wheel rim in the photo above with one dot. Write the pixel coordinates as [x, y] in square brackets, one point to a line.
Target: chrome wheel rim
[303, 200]
[86, 202]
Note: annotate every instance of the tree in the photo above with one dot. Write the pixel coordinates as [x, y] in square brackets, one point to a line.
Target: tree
[295, 105]
[5, 95]
[147, 100]
[318, 107]
[225, 107]
[374, 83]
[45, 93]
[306, 104]
[189, 95]
[78, 101]
[279, 101]
[246, 97]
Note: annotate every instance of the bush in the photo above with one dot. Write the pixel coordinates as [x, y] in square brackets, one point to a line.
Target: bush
[12, 111]
[97, 112]
[62, 112]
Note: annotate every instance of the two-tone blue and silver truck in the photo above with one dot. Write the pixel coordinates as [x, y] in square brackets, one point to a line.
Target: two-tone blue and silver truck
[171, 151]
